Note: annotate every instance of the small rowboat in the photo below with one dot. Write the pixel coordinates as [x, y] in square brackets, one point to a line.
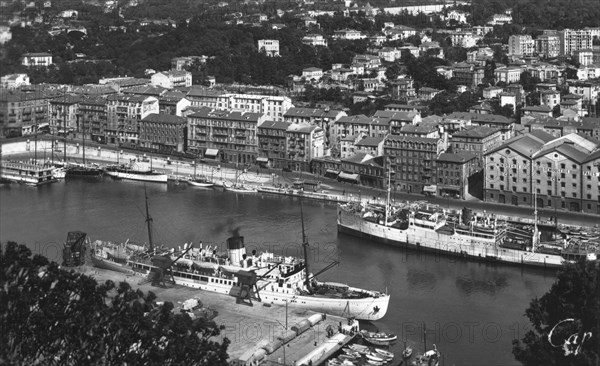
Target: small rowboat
[384, 353]
[374, 357]
[347, 357]
[379, 339]
[359, 348]
[374, 363]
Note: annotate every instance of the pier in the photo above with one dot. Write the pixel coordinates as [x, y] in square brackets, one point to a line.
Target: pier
[254, 329]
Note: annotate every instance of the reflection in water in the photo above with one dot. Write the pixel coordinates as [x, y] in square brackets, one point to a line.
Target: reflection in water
[421, 280]
[469, 286]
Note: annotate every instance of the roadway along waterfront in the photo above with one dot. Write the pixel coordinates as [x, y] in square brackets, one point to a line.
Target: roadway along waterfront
[257, 176]
[472, 311]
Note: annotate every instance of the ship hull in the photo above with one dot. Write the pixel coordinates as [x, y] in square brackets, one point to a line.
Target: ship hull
[110, 265]
[157, 178]
[423, 239]
[369, 308]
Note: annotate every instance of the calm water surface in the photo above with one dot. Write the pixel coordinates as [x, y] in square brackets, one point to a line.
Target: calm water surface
[471, 311]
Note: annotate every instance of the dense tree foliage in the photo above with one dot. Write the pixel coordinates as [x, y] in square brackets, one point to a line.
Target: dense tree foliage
[575, 295]
[52, 316]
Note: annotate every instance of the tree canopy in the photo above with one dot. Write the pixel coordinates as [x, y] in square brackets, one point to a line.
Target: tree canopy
[52, 316]
[571, 308]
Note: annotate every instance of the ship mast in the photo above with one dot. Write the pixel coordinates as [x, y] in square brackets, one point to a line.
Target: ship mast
[148, 222]
[535, 238]
[305, 249]
[387, 202]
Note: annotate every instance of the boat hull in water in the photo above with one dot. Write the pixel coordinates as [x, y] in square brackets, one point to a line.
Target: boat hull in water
[455, 244]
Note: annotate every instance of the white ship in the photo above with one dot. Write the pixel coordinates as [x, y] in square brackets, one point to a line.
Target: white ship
[264, 277]
[135, 172]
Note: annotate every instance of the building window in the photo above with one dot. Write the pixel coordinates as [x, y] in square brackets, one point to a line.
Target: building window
[538, 191]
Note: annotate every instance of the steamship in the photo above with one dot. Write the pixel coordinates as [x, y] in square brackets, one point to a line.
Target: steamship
[483, 237]
[264, 277]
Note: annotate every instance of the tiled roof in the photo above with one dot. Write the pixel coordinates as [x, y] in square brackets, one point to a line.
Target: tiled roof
[275, 125]
[370, 141]
[476, 132]
[457, 157]
[164, 118]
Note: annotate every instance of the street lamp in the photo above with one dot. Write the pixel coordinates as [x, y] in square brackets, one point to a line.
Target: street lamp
[287, 301]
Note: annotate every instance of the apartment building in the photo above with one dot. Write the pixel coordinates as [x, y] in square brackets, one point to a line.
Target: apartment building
[314, 40]
[63, 114]
[412, 161]
[172, 79]
[272, 143]
[21, 112]
[572, 40]
[453, 172]
[164, 133]
[520, 45]
[226, 135]
[124, 112]
[548, 45]
[304, 143]
[94, 118]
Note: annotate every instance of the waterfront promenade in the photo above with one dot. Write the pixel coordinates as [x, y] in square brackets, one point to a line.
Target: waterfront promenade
[256, 176]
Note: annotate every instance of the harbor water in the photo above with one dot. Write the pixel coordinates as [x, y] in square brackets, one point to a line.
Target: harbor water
[471, 311]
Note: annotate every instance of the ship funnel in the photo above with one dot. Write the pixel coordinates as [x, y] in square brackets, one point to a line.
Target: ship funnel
[236, 249]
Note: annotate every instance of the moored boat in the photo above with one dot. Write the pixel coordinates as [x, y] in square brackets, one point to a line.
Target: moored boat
[427, 227]
[378, 338]
[238, 188]
[263, 277]
[135, 172]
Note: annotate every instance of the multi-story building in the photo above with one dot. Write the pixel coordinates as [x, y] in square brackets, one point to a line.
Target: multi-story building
[476, 139]
[12, 81]
[63, 114]
[508, 172]
[505, 125]
[324, 118]
[412, 161]
[40, 59]
[172, 79]
[227, 135]
[572, 40]
[464, 39]
[312, 73]
[396, 120]
[453, 172]
[584, 57]
[180, 63]
[403, 89]
[550, 98]
[163, 133]
[21, 112]
[314, 40]
[547, 45]
[561, 173]
[304, 143]
[93, 118]
[124, 114]
[348, 34]
[272, 143]
[363, 168]
[520, 45]
[370, 145]
[508, 75]
[269, 46]
[272, 106]
[587, 90]
[173, 102]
